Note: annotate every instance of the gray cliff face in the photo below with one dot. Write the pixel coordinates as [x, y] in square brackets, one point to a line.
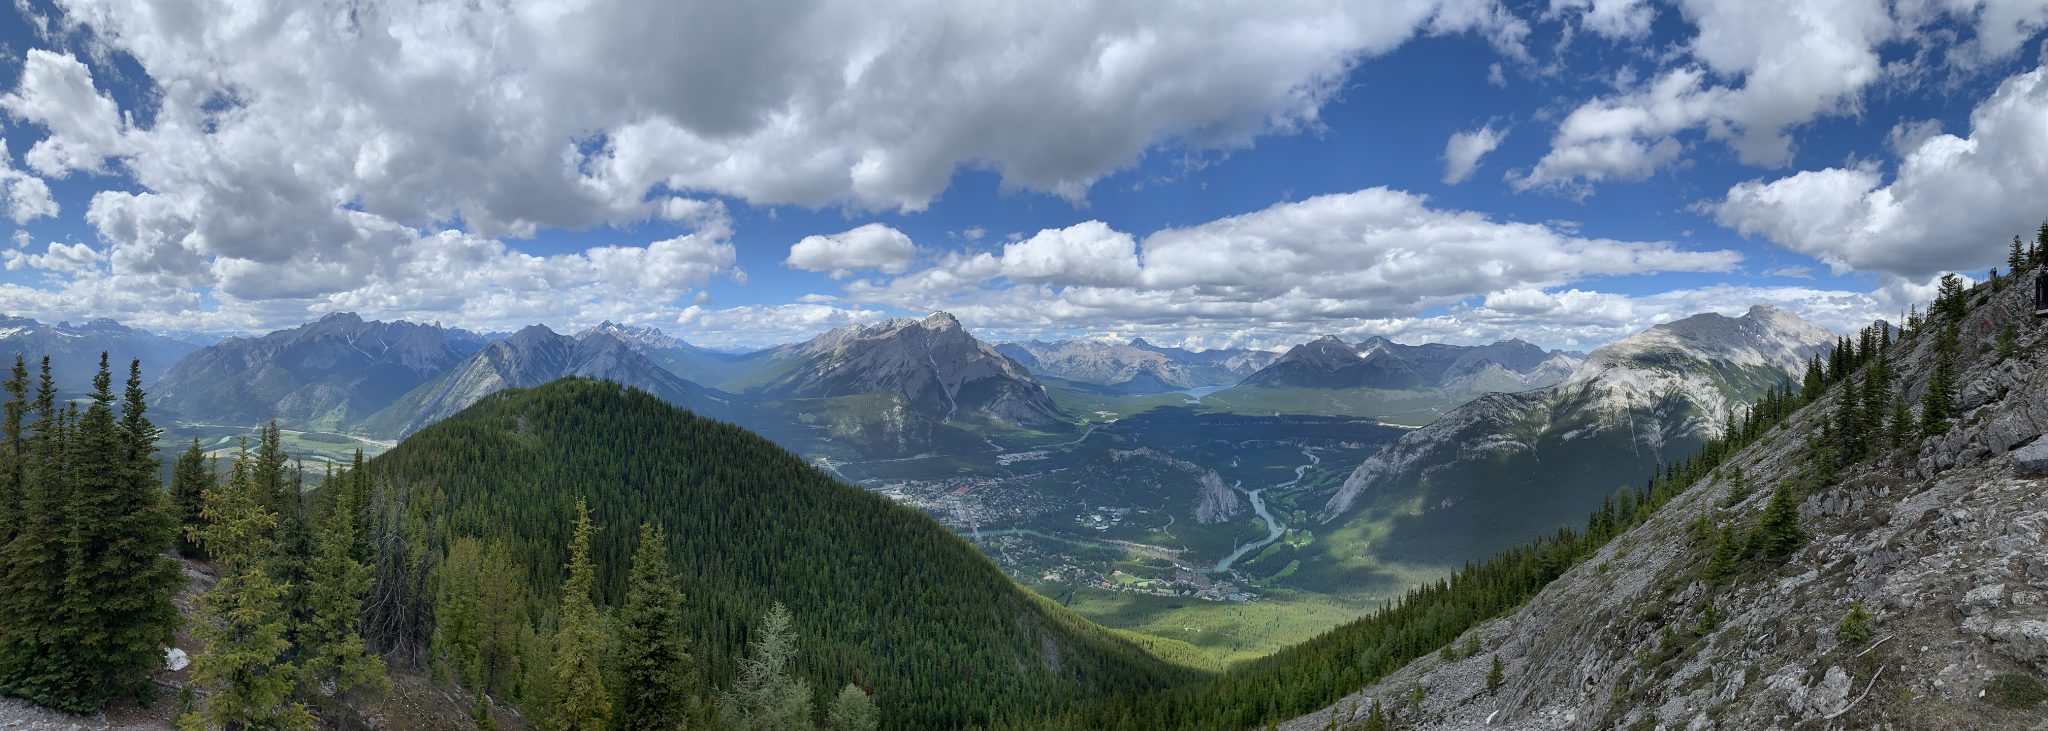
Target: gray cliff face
[1945, 544]
[324, 374]
[536, 356]
[943, 372]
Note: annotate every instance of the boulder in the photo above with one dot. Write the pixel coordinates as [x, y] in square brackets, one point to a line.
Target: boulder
[2031, 460]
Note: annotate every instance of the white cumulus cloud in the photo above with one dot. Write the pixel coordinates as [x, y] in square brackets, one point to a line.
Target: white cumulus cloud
[1463, 151]
[871, 246]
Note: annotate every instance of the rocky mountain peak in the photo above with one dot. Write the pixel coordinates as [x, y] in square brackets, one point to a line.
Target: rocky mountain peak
[941, 321]
[339, 320]
[1764, 336]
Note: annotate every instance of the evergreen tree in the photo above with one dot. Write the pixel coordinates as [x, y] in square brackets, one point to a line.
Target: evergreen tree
[36, 559]
[1937, 406]
[1727, 552]
[766, 696]
[13, 451]
[33, 557]
[1376, 719]
[1903, 427]
[1951, 299]
[245, 670]
[580, 700]
[1495, 675]
[2016, 259]
[2008, 341]
[331, 645]
[1778, 534]
[119, 583]
[189, 479]
[653, 659]
[1708, 618]
[1854, 628]
[853, 710]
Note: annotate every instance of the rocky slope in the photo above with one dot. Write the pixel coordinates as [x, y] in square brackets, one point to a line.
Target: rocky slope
[74, 350]
[324, 374]
[1945, 543]
[1137, 366]
[532, 357]
[1510, 466]
[942, 372]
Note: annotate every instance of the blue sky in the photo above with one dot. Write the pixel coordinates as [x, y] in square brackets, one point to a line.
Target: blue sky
[1215, 174]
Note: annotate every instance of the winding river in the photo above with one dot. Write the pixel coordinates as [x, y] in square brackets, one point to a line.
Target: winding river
[1274, 528]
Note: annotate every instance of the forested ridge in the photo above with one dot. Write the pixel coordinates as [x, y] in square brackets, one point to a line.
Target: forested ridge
[480, 515]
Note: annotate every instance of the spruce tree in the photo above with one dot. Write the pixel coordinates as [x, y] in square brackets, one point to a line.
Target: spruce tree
[1854, 629]
[13, 450]
[119, 582]
[189, 479]
[1778, 533]
[1937, 406]
[852, 710]
[331, 645]
[1376, 719]
[2016, 259]
[580, 700]
[766, 696]
[245, 668]
[1495, 676]
[1903, 427]
[1727, 552]
[653, 658]
[36, 559]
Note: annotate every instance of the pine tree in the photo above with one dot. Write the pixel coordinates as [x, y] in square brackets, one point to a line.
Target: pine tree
[1376, 719]
[1903, 427]
[653, 657]
[36, 559]
[119, 583]
[2016, 259]
[13, 451]
[1495, 676]
[2008, 341]
[766, 696]
[245, 669]
[1937, 406]
[1708, 618]
[1778, 534]
[1727, 552]
[189, 479]
[853, 710]
[1951, 299]
[1854, 628]
[330, 640]
[580, 700]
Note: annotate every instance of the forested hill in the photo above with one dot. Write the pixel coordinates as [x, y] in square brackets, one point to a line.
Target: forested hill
[881, 595]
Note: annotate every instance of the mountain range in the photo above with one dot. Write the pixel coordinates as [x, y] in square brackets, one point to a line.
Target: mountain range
[531, 357]
[74, 350]
[1506, 466]
[1137, 366]
[1393, 382]
[327, 374]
